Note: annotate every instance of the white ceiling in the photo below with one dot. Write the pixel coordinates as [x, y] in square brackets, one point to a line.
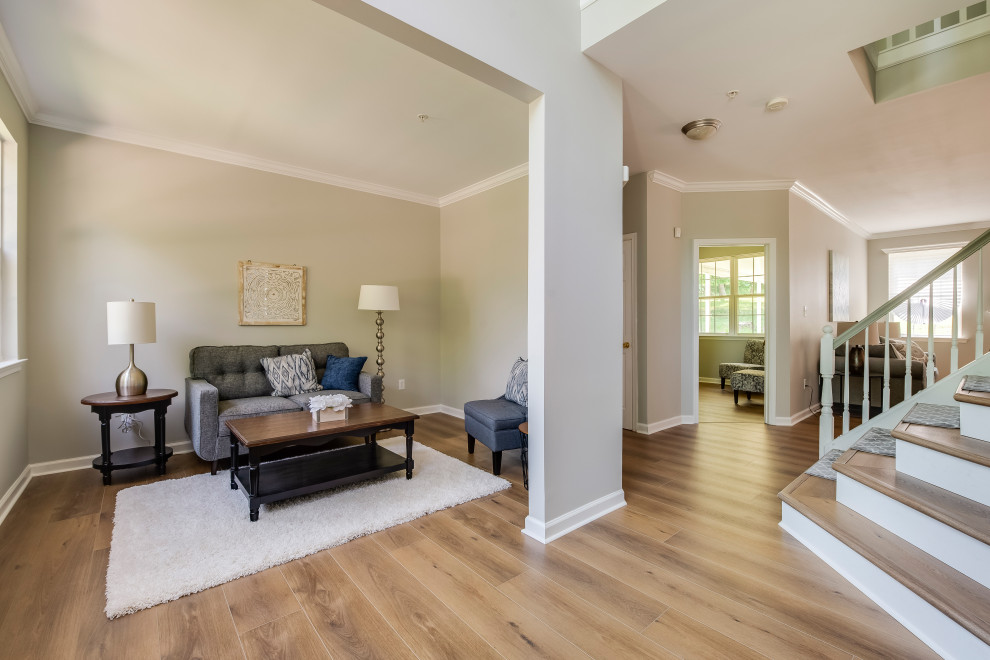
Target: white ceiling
[917, 161]
[286, 85]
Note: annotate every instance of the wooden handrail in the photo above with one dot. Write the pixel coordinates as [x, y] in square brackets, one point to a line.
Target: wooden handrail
[883, 310]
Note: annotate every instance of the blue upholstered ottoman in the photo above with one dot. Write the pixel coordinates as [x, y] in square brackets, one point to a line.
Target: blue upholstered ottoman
[496, 423]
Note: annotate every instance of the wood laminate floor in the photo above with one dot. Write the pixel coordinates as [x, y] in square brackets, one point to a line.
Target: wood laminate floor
[694, 567]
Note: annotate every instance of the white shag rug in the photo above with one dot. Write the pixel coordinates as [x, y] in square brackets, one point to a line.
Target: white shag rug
[180, 536]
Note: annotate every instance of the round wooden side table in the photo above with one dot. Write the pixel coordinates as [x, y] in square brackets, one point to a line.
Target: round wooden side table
[108, 404]
[524, 432]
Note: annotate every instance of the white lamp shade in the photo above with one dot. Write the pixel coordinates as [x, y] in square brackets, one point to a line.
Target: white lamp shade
[130, 322]
[379, 298]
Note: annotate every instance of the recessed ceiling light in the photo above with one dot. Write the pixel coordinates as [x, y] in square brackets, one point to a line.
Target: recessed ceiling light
[775, 104]
[422, 117]
[701, 129]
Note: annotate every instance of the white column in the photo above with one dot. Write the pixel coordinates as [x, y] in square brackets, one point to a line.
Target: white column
[827, 365]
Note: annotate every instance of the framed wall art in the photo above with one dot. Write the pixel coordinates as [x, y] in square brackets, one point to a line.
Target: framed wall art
[271, 294]
[838, 287]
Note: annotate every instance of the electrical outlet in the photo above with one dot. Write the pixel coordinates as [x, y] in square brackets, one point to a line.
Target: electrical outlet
[402, 383]
[805, 383]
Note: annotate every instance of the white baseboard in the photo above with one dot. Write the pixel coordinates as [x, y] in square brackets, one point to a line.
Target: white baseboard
[654, 427]
[14, 492]
[550, 531]
[437, 408]
[54, 467]
[793, 419]
[712, 381]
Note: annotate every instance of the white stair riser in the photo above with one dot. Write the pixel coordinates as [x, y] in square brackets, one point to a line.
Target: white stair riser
[953, 474]
[947, 544]
[974, 421]
[942, 634]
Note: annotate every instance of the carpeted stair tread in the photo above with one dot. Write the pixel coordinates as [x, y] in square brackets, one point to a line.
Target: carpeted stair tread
[967, 516]
[823, 466]
[877, 441]
[962, 599]
[933, 414]
[947, 441]
[963, 395]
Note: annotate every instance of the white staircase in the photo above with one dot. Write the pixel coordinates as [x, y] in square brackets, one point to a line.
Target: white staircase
[912, 531]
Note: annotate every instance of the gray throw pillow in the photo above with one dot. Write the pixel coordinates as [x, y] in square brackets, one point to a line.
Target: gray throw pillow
[517, 389]
[291, 374]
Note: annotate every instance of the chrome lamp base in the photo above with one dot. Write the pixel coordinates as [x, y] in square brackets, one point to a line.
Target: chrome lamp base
[132, 381]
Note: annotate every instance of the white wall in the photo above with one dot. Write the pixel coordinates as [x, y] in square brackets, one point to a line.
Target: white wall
[13, 387]
[483, 259]
[575, 247]
[813, 234]
[113, 221]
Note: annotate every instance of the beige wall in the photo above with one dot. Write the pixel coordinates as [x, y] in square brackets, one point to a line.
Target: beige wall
[737, 215]
[813, 234]
[13, 387]
[634, 221]
[112, 221]
[483, 275]
[878, 291]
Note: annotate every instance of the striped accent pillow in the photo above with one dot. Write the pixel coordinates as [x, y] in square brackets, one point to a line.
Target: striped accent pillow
[291, 374]
[517, 389]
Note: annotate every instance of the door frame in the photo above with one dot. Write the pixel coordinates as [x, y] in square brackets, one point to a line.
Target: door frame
[770, 355]
[634, 297]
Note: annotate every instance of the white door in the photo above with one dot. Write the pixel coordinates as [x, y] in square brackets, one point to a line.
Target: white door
[628, 331]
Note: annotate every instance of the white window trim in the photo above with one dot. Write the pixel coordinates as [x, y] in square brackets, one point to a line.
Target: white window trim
[733, 296]
[11, 367]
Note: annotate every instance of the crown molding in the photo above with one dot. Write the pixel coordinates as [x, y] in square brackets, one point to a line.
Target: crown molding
[656, 176]
[807, 195]
[512, 174]
[919, 231]
[151, 141]
[12, 70]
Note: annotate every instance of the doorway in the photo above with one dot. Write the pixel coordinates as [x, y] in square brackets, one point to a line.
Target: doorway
[733, 296]
[629, 369]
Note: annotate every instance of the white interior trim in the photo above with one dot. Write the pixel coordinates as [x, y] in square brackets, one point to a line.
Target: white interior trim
[807, 195]
[663, 425]
[656, 176]
[14, 492]
[634, 285]
[508, 175]
[932, 230]
[11, 367]
[690, 377]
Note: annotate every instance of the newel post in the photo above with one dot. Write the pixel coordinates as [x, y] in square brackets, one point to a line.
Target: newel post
[827, 365]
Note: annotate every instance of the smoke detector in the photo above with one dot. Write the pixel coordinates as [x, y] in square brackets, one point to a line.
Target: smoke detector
[775, 104]
[701, 129]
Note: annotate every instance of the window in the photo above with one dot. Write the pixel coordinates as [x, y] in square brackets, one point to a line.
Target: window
[732, 295]
[907, 267]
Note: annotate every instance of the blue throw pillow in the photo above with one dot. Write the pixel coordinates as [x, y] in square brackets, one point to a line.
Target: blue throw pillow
[342, 373]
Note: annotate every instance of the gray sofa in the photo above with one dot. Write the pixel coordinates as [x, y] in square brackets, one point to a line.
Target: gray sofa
[228, 382]
[898, 367]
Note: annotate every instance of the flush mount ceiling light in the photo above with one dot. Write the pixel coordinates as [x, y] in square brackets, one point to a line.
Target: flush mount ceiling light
[775, 104]
[701, 129]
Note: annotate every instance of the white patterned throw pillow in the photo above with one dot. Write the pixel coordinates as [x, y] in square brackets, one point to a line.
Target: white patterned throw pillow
[517, 389]
[291, 374]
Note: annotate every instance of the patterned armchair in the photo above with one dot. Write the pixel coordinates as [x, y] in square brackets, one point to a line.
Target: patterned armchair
[752, 359]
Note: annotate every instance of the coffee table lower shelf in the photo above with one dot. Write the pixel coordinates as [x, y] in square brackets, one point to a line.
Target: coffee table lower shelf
[312, 473]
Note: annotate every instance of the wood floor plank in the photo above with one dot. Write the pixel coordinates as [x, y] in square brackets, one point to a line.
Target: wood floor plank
[345, 620]
[397, 537]
[288, 638]
[258, 599]
[506, 508]
[407, 605]
[76, 498]
[631, 607]
[484, 558]
[587, 626]
[198, 626]
[734, 620]
[506, 625]
[691, 639]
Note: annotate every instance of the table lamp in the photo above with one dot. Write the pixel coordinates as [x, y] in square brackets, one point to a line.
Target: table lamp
[130, 322]
[378, 298]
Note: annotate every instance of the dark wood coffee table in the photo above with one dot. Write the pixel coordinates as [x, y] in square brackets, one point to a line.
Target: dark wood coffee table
[301, 456]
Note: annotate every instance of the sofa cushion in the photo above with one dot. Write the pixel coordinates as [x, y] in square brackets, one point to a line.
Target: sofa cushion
[496, 414]
[753, 353]
[235, 371]
[291, 374]
[726, 369]
[302, 400]
[342, 373]
[254, 406]
[517, 388]
[320, 353]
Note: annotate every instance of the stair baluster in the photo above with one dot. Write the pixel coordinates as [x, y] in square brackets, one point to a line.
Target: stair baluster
[930, 371]
[978, 350]
[954, 355]
[866, 378]
[886, 366]
[846, 377]
[908, 353]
